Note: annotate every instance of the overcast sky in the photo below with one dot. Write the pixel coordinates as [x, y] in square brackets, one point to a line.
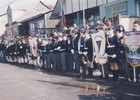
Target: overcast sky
[22, 4]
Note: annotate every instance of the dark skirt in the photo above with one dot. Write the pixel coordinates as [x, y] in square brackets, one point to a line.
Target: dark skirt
[113, 60]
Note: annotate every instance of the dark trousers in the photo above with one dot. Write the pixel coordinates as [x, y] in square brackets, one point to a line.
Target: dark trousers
[125, 67]
[62, 56]
[76, 60]
[44, 59]
[85, 69]
[49, 60]
[69, 61]
[56, 61]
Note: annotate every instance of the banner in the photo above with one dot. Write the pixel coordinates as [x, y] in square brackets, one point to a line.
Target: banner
[132, 41]
[99, 44]
[33, 46]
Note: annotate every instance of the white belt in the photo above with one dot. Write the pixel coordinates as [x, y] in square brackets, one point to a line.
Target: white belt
[111, 46]
[61, 49]
[51, 50]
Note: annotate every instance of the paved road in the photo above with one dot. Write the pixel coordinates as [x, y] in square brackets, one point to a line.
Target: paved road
[18, 83]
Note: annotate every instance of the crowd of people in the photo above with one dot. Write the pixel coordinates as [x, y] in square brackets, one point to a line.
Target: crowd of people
[72, 50]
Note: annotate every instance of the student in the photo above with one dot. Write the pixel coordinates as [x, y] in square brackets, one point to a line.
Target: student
[136, 25]
[120, 32]
[111, 49]
[122, 59]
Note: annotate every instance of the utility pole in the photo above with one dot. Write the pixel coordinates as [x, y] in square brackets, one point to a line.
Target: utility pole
[84, 20]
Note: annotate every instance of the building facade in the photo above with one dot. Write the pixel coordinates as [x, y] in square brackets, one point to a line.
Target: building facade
[94, 9]
[123, 7]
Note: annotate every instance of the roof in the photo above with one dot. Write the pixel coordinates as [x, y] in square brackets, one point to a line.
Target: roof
[35, 11]
[51, 23]
[56, 12]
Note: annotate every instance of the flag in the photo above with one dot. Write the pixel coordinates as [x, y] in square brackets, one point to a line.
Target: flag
[63, 19]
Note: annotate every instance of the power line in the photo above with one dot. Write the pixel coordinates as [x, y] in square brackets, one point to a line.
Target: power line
[8, 3]
[3, 14]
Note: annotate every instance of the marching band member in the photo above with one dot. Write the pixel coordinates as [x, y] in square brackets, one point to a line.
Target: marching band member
[111, 49]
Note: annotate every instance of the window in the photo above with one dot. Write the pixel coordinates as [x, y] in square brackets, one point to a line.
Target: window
[40, 24]
[113, 11]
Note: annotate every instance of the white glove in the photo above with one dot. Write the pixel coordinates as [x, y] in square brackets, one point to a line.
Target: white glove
[58, 48]
[72, 51]
[79, 52]
[113, 56]
[85, 53]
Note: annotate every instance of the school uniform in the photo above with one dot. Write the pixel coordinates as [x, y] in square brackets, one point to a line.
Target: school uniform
[112, 48]
[62, 54]
[50, 56]
[122, 60]
[56, 61]
[69, 55]
[83, 55]
[76, 56]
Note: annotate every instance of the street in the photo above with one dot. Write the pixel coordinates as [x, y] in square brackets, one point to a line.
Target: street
[23, 83]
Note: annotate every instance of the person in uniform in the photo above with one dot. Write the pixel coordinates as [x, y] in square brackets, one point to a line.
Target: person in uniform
[89, 49]
[136, 27]
[56, 48]
[2, 49]
[14, 51]
[20, 51]
[62, 52]
[81, 51]
[39, 62]
[111, 50]
[122, 58]
[50, 55]
[120, 32]
[24, 51]
[86, 54]
[43, 50]
[69, 55]
[76, 56]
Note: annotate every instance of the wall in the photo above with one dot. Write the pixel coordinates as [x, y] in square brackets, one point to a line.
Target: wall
[131, 8]
[127, 21]
[3, 22]
[34, 25]
[71, 6]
